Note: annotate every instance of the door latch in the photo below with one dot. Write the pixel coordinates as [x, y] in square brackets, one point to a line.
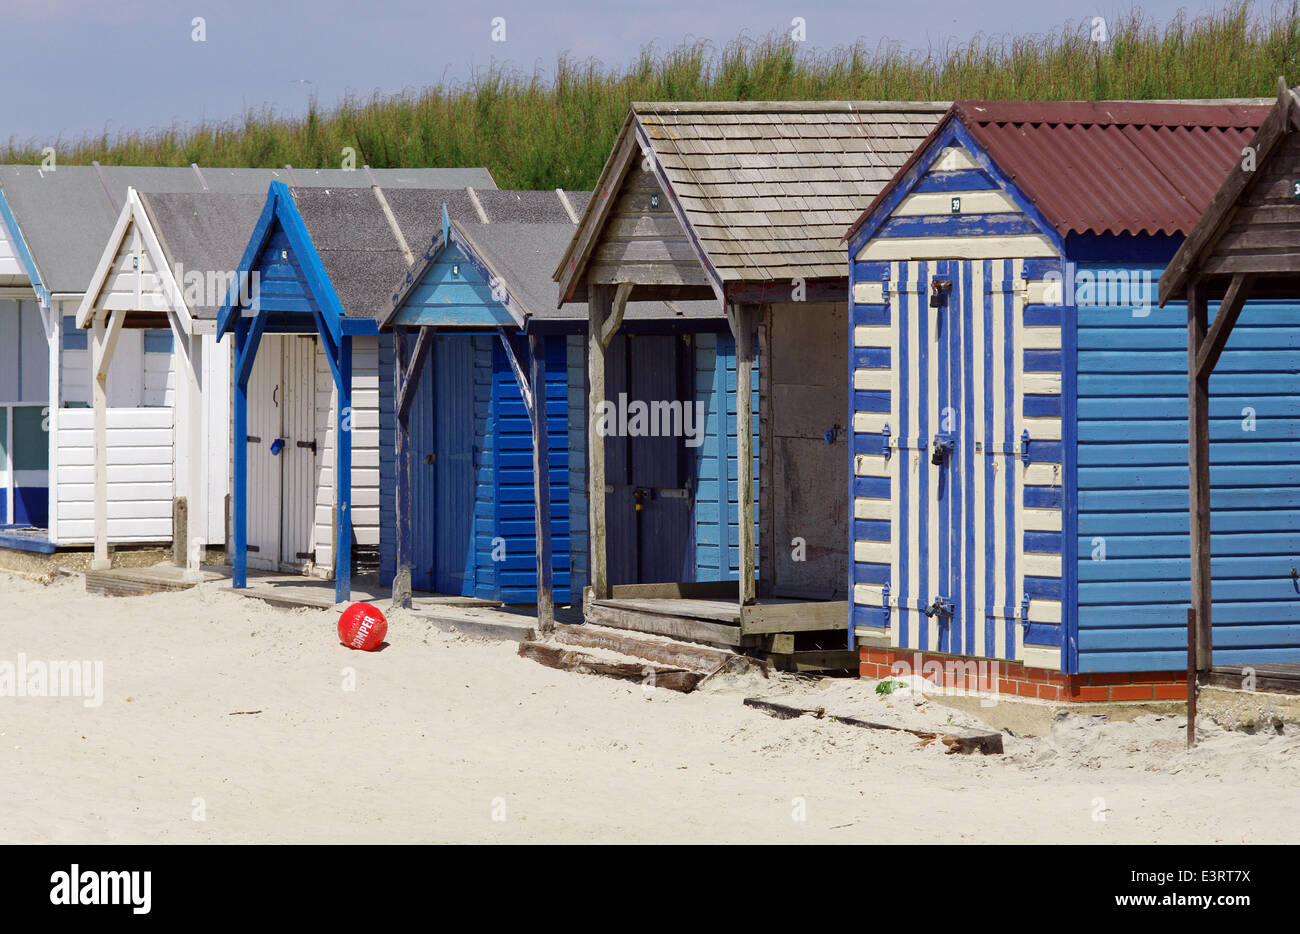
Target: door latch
[310, 445]
[942, 448]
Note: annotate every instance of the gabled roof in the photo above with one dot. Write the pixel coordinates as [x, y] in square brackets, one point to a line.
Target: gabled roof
[525, 234]
[766, 188]
[1282, 121]
[1108, 167]
[65, 215]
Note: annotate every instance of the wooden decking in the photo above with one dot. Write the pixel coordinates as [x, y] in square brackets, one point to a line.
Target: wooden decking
[711, 613]
[160, 578]
[1281, 678]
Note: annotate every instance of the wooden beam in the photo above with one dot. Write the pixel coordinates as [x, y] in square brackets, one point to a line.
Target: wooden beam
[615, 319]
[541, 485]
[101, 350]
[1198, 417]
[1230, 309]
[600, 299]
[343, 475]
[239, 456]
[410, 374]
[190, 432]
[521, 379]
[742, 318]
[402, 463]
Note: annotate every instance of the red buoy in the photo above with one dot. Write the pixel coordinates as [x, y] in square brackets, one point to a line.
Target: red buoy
[362, 627]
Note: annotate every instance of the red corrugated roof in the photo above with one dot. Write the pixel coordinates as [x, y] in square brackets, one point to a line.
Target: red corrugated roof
[1109, 167]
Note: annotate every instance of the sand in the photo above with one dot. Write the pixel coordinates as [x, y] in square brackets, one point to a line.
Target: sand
[450, 739]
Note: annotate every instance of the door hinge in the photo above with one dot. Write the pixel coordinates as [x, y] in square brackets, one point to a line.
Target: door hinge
[252, 548]
[253, 439]
[305, 555]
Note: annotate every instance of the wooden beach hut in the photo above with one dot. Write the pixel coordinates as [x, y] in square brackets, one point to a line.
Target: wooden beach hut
[1239, 272]
[54, 225]
[301, 315]
[486, 375]
[1019, 490]
[738, 205]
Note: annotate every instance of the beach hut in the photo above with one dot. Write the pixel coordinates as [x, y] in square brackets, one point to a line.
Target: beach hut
[166, 268]
[306, 384]
[738, 205]
[487, 372]
[54, 225]
[1019, 491]
[1243, 255]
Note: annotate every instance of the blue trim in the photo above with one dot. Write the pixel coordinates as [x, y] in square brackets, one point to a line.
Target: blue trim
[951, 131]
[955, 180]
[9, 538]
[1069, 642]
[957, 225]
[230, 308]
[24, 254]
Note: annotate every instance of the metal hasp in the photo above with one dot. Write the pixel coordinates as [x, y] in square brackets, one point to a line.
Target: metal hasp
[939, 291]
[943, 445]
[940, 607]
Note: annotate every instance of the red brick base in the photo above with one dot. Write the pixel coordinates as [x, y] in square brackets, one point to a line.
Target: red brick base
[1013, 678]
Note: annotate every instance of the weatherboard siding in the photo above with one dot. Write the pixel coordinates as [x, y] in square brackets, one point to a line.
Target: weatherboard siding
[1133, 564]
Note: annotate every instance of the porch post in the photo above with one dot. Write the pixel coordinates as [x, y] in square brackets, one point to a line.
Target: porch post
[99, 387]
[402, 491]
[742, 318]
[600, 300]
[239, 469]
[343, 476]
[541, 484]
[1198, 405]
[190, 429]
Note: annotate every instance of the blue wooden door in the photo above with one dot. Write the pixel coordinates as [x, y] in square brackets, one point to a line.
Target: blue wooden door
[423, 473]
[648, 501]
[453, 462]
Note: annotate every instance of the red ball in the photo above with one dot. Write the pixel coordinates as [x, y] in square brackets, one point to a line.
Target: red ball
[362, 627]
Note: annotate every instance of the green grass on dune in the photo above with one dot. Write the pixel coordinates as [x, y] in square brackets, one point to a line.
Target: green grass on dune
[536, 131]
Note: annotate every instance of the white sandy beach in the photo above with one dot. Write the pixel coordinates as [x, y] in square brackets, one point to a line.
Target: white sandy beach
[449, 739]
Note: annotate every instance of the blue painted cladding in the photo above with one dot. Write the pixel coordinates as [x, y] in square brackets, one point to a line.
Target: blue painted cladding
[387, 453]
[282, 284]
[516, 575]
[576, 349]
[1133, 502]
[717, 527]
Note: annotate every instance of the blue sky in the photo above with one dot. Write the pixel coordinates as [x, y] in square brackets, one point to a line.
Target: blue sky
[86, 66]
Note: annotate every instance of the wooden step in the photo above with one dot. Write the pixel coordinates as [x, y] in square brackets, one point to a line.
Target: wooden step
[661, 651]
[556, 655]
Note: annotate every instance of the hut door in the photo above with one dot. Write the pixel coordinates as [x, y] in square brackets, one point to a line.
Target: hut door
[649, 499]
[299, 453]
[453, 450]
[264, 404]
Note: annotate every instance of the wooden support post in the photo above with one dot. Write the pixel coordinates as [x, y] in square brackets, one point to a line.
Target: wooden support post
[541, 485]
[343, 476]
[189, 410]
[99, 379]
[742, 318]
[402, 463]
[1191, 678]
[1198, 400]
[600, 300]
[239, 458]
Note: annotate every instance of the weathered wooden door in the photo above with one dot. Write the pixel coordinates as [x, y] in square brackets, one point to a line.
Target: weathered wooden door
[264, 419]
[454, 481]
[299, 452]
[649, 497]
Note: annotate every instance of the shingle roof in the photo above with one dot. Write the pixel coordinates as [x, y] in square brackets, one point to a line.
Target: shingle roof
[66, 215]
[525, 236]
[1116, 167]
[769, 187]
[204, 232]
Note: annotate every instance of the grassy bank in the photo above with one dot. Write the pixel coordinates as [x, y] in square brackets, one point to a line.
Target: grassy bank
[546, 131]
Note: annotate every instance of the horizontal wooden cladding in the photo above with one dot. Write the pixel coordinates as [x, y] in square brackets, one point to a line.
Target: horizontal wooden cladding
[917, 248]
[642, 241]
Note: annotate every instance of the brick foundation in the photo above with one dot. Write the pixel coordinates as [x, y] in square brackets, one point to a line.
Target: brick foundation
[1016, 679]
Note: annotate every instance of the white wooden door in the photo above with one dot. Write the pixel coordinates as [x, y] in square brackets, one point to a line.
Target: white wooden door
[265, 402]
[298, 487]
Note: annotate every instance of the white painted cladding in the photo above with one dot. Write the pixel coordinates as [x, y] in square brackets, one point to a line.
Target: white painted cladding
[365, 450]
[140, 475]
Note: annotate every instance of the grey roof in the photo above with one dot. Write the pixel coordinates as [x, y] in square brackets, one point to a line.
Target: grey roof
[65, 216]
[769, 187]
[203, 231]
[526, 234]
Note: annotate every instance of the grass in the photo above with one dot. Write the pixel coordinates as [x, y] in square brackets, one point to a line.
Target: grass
[534, 131]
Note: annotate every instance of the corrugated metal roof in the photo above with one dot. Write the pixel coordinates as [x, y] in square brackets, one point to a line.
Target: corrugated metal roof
[1115, 167]
[769, 186]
